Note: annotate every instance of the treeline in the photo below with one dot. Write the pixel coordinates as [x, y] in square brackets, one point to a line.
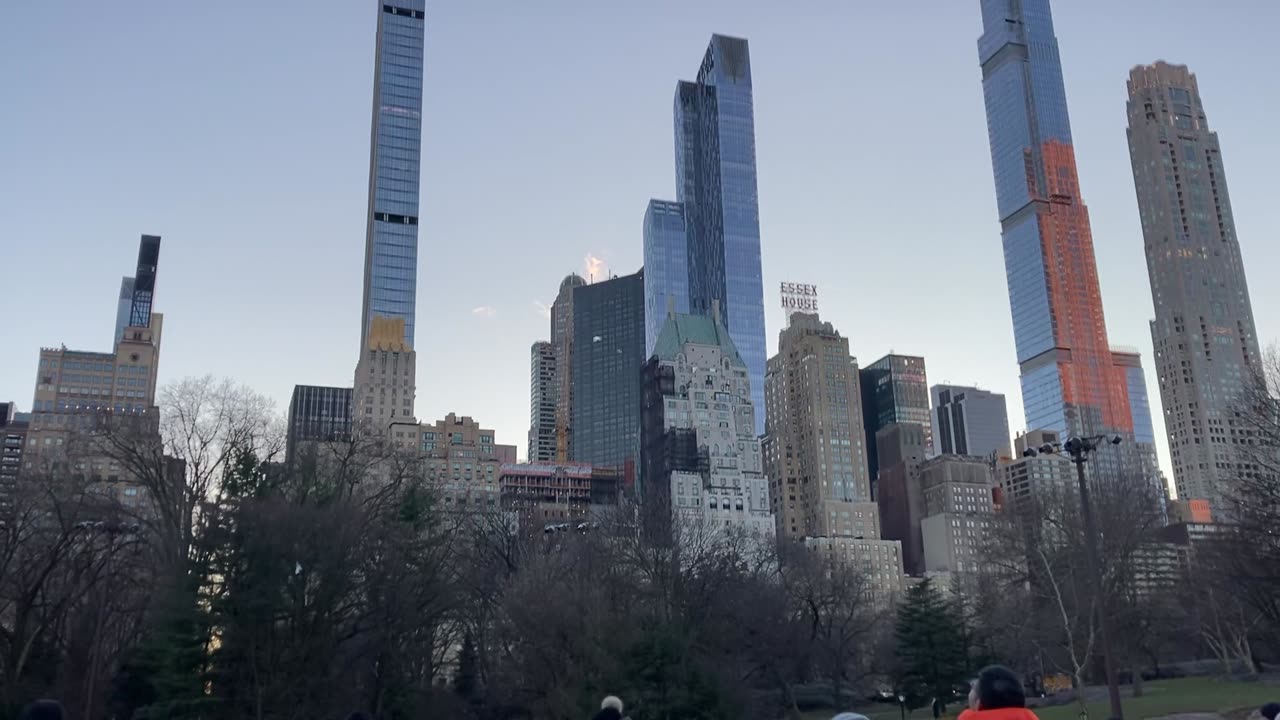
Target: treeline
[232, 586]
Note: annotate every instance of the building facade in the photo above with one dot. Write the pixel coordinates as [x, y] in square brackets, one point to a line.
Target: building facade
[317, 414]
[701, 455]
[547, 496]
[899, 495]
[895, 390]
[13, 439]
[543, 393]
[1067, 377]
[666, 267]
[562, 342]
[959, 503]
[814, 444]
[460, 460]
[969, 421]
[1025, 478]
[391, 239]
[1204, 336]
[716, 185]
[608, 353]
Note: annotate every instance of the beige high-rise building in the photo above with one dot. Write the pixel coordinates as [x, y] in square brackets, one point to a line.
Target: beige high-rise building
[1206, 345]
[385, 380]
[73, 387]
[815, 454]
[562, 347]
[959, 502]
[814, 449]
[460, 460]
[1042, 475]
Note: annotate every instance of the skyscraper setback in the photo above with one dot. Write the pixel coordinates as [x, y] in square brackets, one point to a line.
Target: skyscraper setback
[716, 192]
[1069, 380]
[1203, 333]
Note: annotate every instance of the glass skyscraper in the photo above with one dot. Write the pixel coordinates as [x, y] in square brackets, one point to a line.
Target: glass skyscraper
[1069, 383]
[391, 243]
[666, 263]
[605, 365]
[715, 155]
[1205, 341]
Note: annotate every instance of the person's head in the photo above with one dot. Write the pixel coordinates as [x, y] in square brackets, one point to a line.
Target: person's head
[42, 710]
[1270, 711]
[999, 687]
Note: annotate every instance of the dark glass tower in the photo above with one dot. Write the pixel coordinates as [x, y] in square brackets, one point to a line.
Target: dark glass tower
[716, 182]
[391, 239]
[144, 282]
[608, 352]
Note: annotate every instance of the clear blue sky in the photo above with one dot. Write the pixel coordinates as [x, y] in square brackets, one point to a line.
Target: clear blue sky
[239, 131]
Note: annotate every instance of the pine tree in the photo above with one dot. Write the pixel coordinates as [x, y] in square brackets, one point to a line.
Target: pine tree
[932, 646]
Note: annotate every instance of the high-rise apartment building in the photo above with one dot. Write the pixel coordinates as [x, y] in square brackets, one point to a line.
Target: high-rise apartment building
[385, 386]
[391, 239]
[460, 459]
[607, 355]
[701, 455]
[1039, 476]
[969, 421]
[716, 185]
[562, 342]
[895, 390]
[318, 414]
[1205, 341]
[814, 444]
[543, 393]
[1068, 381]
[958, 512]
[74, 388]
[123, 307]
[899, 495]
[13, 438]
[666, 267]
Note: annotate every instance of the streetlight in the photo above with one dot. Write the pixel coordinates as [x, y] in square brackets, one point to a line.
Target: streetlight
[1078, 449]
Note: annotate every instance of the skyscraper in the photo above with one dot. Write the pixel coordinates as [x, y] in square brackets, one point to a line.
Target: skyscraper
[123, 306]
[1068, 381]
[969, 421]
[716, 183]
[814, 444]
[385, 379]
[666, 265]
[701, 454]
[1205, 342]
[543, 393]
[391, 240]
[562, 344]
[317, 414]
[895, 389]
[608, 352]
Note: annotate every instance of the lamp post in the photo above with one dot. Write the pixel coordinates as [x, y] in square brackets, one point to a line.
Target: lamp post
[1079, 449]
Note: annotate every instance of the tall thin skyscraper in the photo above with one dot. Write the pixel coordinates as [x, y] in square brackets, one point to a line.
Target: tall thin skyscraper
[895, 390]
[666, 264]
[716, 184]
[123, 306]
[391, 241]
[543, 393]
[1068, 380]
[1203, 333]
[385, 379]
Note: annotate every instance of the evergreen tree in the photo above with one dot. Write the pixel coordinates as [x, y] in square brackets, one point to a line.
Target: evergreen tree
[933, 655]
[464, 680]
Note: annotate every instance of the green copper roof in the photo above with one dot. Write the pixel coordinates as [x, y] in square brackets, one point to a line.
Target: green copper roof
[679, 330]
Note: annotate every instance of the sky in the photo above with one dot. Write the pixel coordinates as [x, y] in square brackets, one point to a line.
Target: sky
[239, 131]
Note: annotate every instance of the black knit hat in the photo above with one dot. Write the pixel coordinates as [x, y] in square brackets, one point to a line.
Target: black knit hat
[42, 710]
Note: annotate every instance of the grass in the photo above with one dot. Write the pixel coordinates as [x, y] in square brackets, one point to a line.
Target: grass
[1163, 697]
[1166, 697]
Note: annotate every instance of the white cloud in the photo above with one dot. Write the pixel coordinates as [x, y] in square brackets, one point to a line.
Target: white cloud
[484, 311]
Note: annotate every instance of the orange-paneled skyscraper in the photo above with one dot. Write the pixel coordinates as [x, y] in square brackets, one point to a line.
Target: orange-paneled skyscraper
[1072, 382]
